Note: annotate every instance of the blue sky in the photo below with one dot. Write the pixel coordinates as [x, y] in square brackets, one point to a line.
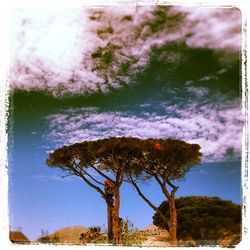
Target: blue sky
[175, 79]
[41, 199]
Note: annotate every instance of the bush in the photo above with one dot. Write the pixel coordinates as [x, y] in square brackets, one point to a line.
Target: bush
[130, 235]
[203, 218]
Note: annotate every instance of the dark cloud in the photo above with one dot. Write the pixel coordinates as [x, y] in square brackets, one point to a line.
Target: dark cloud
[100, 50]
[145, 72]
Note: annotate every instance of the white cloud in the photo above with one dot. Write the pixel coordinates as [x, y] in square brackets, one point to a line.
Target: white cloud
[216, 131]
[51, 48]
[214, 27]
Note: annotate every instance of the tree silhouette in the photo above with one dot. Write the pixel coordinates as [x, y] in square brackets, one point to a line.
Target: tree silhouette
[203, 218]
[164, 160]
[102, 164]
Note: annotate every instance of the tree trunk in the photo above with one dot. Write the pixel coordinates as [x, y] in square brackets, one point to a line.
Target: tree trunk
[116, 219]
[110, 222]
[172, 224]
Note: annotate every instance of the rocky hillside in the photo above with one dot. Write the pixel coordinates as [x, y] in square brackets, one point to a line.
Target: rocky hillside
[156, 237]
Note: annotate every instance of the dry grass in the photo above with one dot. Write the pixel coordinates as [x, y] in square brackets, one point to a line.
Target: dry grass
[67, 235]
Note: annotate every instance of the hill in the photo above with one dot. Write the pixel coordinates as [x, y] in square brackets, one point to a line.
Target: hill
[67, 235]
[18, 237]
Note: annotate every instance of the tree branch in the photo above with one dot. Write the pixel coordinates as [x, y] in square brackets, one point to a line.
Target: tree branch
[163, 186]
[95, 180]
[89, 183]
[120, 174]
[121, 178]
[175, 188]
[102, 174]
[141, 194]
[162, 215]
[158, 180]
[117, 179]
[113, 159]
[171, 184]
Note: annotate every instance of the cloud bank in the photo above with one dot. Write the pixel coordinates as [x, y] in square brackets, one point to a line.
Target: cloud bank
[81, 51]
[150, 52]
[217, 131]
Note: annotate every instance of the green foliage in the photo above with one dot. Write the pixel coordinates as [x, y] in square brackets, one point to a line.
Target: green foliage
[99, 239]
[130, 235]
[203, 218]
[102, 153]
[128, 154]
[172, 160]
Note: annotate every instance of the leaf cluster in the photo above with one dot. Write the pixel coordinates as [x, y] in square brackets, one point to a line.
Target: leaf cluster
[109, 154]
[130, 155]
[171, 161]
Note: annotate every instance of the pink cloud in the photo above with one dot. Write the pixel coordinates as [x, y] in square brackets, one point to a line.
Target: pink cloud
[51, 49]
[214, 130]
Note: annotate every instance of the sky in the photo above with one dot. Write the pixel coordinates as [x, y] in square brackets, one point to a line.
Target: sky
[83, 74]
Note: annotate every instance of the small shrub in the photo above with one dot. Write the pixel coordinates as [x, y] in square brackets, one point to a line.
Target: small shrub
[130, 235]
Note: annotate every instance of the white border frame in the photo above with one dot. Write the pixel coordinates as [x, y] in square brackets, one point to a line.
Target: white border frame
[4, 89]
